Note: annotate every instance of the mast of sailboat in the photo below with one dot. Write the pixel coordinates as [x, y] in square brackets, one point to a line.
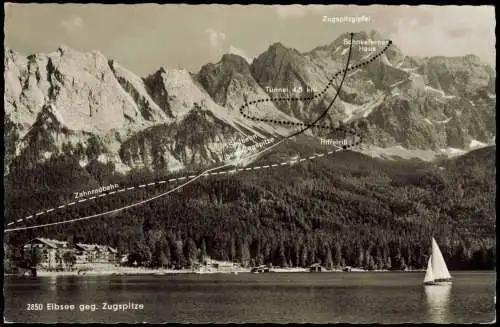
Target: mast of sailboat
[436, 267]
[439, 268]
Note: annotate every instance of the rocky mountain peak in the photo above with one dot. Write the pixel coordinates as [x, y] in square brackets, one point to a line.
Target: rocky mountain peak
[11, 56]
[420, 103]
[62, 49]
[236, 63]
[277, 46]
[50, 116]
[472, 58]
[279, 49]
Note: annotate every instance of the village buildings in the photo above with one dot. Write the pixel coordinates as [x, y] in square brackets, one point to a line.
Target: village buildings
[59, 254]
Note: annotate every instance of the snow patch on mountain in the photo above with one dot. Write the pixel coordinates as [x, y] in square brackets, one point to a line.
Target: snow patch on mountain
[397, 83]
[385, 60]
[398, 152]
[445, 121]
[452, 152]
[476, 144]
[353, 111]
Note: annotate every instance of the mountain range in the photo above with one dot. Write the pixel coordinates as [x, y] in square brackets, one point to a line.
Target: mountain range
[78, 121]
[86, 106]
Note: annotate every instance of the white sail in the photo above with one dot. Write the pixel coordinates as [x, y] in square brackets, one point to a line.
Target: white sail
[439, 269]
[428, 274]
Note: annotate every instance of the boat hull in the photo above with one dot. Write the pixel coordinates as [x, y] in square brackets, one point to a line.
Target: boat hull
[438, 282]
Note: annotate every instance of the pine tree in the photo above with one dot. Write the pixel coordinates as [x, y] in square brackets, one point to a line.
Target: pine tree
[191, 252]
[388, 264]
[203, 252]
[233, 249]
[361, 258]
[329, 260]
[281, 255]
[244, 253]
[338, 255]
[178, 255]
[303, 258]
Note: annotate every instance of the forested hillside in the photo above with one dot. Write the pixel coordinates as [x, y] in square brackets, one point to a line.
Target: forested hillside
[346, 209]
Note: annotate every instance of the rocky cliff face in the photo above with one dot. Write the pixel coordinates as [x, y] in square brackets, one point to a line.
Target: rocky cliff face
[67, 102]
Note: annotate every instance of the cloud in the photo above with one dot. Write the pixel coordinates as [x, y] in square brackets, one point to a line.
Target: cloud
[448, 31]
[241, 53]
[72, 24]
[294, 11]
[215, 37]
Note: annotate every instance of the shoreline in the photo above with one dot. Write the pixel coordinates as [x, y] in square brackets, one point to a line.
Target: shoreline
[121, 271]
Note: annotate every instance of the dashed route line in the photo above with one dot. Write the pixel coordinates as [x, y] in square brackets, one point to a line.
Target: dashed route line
[289, 162]
[205, 173]
[284, 163]
[312, 97]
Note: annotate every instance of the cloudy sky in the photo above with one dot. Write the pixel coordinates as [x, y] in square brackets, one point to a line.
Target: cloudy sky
[145, 37]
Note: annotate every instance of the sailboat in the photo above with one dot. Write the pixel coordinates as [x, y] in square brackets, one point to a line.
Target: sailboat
[437, 273]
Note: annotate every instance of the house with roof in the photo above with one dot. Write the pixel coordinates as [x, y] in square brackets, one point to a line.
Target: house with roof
[315, 267]
[52, 252]
[95, 253]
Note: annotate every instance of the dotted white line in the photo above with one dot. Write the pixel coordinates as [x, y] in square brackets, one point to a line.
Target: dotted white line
[181, 178]
[285, 163]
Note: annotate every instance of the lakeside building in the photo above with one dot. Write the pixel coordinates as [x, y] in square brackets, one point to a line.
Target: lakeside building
[315, 267]
[53, 253]
[95, 253]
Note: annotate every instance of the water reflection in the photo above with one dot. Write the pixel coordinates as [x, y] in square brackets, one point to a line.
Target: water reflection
[438, 302]
[52, 283]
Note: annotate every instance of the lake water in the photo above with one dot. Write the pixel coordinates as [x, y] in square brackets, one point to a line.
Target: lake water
[384, 297]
